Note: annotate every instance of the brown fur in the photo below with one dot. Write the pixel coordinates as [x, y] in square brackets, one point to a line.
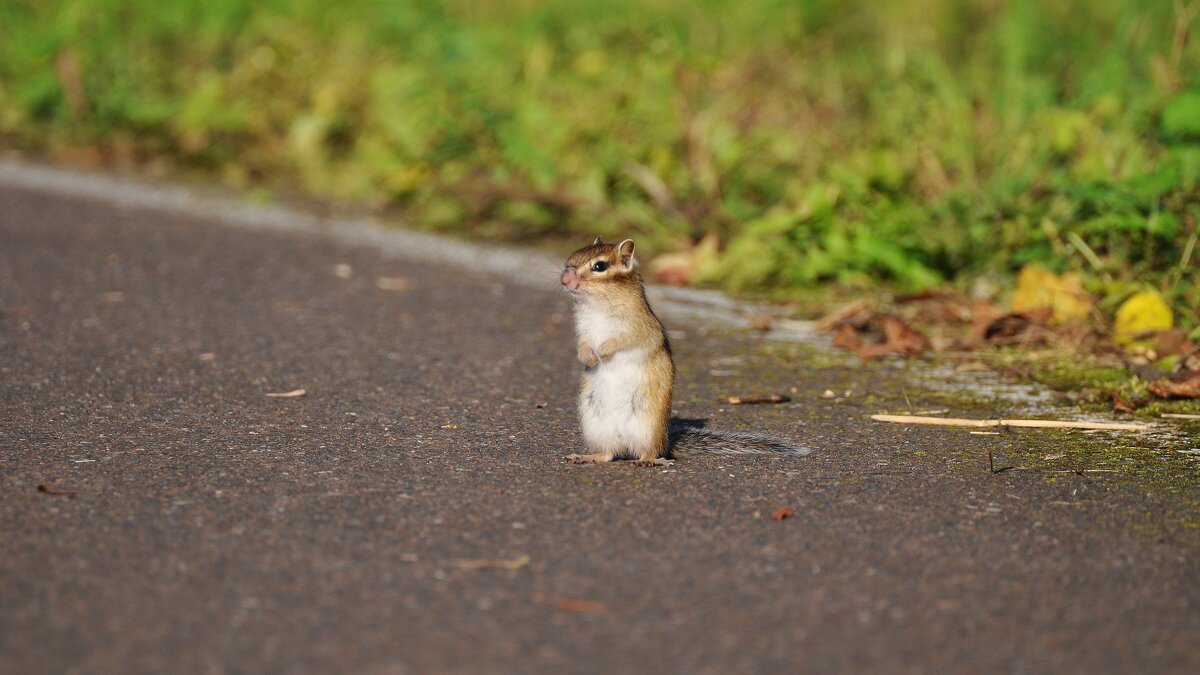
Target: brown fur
[620, 289]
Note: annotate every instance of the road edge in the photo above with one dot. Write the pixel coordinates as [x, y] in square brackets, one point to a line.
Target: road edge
[512, 263]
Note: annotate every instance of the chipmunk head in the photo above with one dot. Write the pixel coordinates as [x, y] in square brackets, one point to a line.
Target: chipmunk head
[601, 269]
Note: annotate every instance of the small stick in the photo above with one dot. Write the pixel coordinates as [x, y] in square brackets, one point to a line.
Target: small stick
[295, 393]
[1032, 424]
[47, 489]
[514, 564]
[1180, 416]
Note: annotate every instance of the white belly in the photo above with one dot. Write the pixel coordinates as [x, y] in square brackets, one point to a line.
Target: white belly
[613, 410]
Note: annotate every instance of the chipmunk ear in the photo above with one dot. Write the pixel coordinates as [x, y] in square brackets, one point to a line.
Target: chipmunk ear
[625, 251]
[597, 242]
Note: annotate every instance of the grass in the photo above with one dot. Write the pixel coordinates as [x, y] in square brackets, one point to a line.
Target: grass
[815, 142]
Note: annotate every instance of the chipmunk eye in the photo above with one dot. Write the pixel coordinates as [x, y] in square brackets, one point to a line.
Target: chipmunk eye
[599, 266]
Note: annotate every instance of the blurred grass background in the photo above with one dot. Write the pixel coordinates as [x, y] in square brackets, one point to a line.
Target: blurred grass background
[906, 143]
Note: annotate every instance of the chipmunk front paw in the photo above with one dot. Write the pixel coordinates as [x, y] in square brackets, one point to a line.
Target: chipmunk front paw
[587, 356]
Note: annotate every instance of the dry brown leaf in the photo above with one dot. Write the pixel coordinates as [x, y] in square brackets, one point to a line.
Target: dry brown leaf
[898, 338]
[392, 283]
[1186, 387]
[760, 322]
[675, 269]
[856, 314]
[1123, 405]
[1000, 328]
[782, 513]
[1191, 362]
[1173, 342]
[295, 393]
[571, 605]
[847, 338]
[942, 307]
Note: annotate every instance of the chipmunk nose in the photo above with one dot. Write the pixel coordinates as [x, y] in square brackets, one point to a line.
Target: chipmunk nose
[570, 278]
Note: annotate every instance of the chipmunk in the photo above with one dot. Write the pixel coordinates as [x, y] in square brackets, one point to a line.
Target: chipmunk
[625, 390]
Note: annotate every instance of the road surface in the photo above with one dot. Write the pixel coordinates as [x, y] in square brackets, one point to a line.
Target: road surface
[410, 512]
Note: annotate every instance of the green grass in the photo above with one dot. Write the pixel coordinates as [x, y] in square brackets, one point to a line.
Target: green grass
[853, 143]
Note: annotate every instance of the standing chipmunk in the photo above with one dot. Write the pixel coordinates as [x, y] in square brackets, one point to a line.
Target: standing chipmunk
[625, 390]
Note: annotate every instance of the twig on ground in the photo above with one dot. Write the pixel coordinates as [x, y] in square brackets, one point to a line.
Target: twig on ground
[295, 393]
[1180, 416]
[1032, 424]
[750, 400]
[514, 564]
[47, 489]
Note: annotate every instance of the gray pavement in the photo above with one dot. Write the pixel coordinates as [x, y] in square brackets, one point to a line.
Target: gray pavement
[410, 512]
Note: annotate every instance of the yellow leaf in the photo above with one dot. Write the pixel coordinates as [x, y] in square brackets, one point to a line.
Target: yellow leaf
[1142, 313]
[1038, 288]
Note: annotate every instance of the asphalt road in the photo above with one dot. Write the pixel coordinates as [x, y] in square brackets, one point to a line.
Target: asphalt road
[410, 513]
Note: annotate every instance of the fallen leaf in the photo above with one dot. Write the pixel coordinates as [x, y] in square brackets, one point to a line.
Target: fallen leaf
[1191, 362]
[847, 338]
[46, 489]
[1186, 387]
[392, 283]
[1010, 328]
[898, 338]
[500, 564]
[760, 322]
[1122, 405]
[572, 605]
[1039, 288]
[674, 269]
[782, 513]
[295, 393]
[1173, 342]
[1141, 315]
[856, 314]
[751, 400]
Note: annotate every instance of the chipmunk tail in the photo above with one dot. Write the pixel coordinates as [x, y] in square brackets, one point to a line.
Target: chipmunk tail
[691, 439]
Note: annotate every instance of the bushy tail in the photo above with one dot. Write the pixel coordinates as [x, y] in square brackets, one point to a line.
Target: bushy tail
[693, 439]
